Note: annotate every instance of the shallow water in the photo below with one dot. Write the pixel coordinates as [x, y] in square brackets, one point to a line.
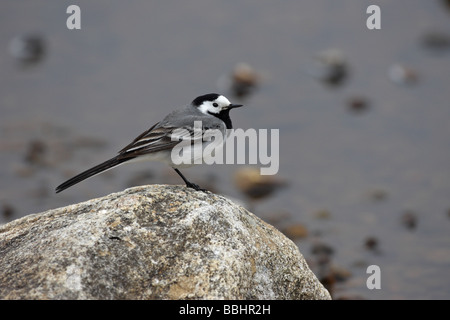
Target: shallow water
[352, 175]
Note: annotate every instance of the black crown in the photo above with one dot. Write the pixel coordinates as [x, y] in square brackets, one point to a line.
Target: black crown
[206, 97]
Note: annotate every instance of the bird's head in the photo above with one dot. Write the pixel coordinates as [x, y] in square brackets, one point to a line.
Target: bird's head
[213, 103]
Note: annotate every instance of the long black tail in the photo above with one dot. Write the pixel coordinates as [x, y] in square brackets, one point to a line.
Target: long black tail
[91, 172]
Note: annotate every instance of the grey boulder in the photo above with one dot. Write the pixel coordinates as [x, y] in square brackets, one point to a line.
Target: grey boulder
[151, 242]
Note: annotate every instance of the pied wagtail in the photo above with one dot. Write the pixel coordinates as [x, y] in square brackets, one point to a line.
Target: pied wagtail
[156, 143]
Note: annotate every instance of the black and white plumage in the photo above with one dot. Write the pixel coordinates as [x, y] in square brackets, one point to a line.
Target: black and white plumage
[156, 143]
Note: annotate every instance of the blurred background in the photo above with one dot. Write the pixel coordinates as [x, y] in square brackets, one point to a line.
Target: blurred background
[364, 119]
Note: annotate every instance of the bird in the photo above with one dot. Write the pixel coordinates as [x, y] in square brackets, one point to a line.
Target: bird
[157, 143]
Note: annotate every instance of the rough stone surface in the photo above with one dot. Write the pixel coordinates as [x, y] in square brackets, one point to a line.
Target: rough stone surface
[151, 242]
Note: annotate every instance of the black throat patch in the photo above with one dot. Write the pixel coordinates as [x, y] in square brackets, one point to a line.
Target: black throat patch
[223, 115]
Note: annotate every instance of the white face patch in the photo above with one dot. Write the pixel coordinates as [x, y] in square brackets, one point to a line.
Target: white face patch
[214, 106]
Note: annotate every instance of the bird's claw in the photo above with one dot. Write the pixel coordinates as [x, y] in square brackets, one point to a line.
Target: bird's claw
[195, 187]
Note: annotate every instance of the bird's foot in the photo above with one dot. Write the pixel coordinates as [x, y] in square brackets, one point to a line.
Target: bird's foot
[195, 187]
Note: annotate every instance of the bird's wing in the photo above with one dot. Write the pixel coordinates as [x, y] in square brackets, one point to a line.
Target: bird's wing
[162, 138]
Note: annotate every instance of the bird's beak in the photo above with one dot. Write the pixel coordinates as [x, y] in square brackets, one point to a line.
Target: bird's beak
[231, 106]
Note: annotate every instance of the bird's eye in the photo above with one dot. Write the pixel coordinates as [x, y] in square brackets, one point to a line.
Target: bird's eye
[215, 105]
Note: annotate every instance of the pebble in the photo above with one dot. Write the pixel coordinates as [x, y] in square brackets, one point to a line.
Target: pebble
[409, 219]
[27, 49]
[357, 104]
[35, 153]
[256, 186]
[371, 243]
[378, 195]
[436, 41]
[331, 67]
[402, 75]
[7, 211]
[242, 81]
[322, 214]
[295, 231]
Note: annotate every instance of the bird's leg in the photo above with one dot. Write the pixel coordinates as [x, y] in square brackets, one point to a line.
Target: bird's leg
[188, 183]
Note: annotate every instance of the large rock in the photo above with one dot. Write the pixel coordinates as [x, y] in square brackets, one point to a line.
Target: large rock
[152, 242]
